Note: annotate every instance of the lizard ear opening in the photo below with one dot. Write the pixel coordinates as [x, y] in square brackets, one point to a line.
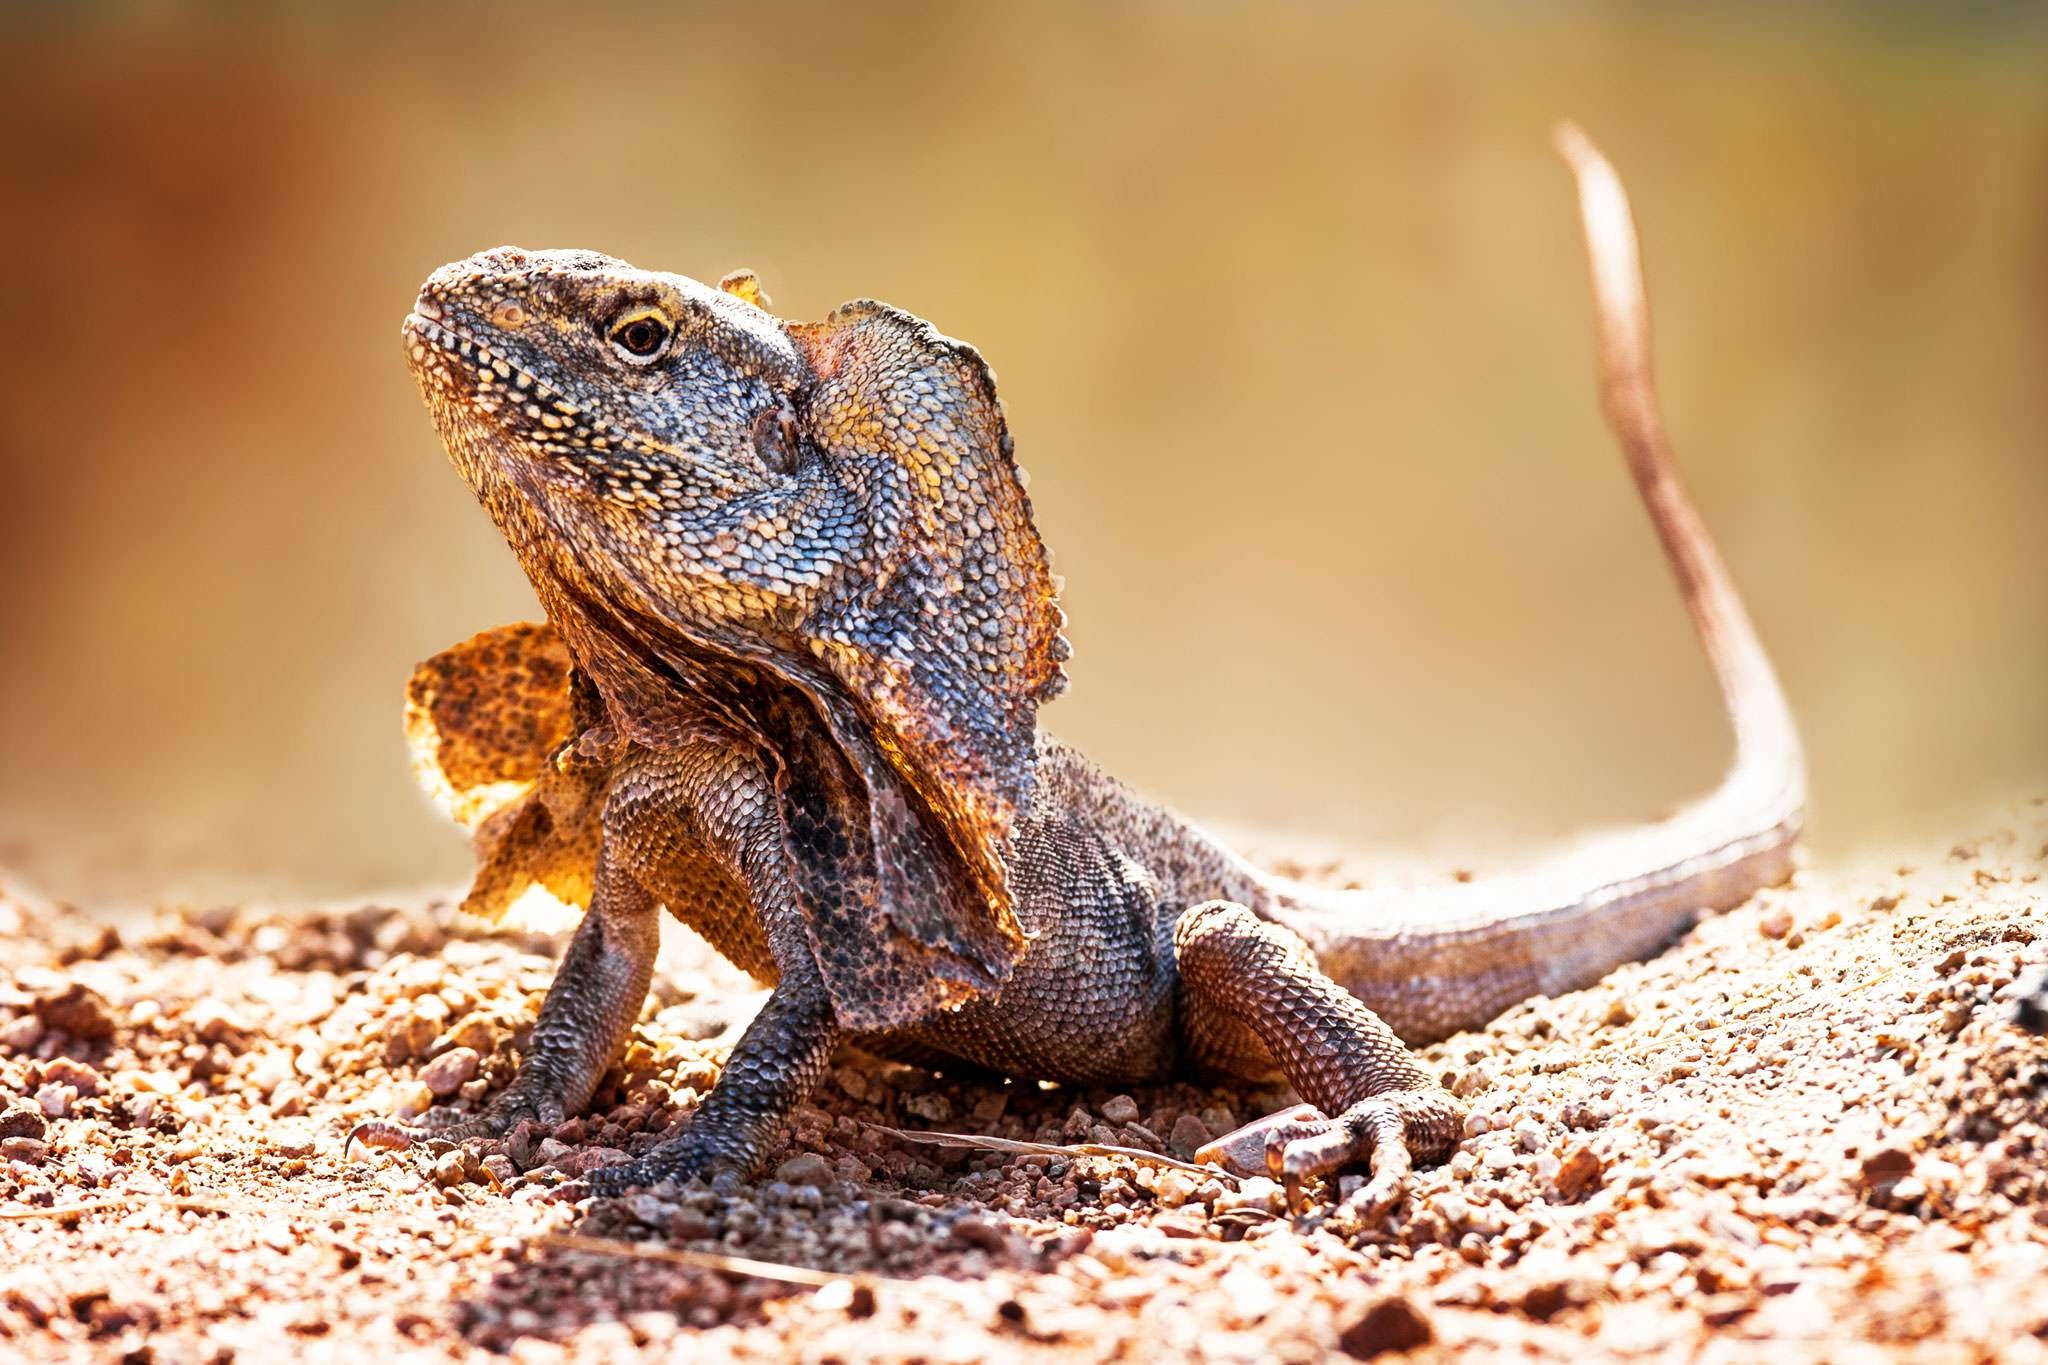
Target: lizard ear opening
[956, 636]
[484, 720]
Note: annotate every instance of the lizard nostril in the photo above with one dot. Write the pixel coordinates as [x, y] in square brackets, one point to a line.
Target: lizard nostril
[508, 314]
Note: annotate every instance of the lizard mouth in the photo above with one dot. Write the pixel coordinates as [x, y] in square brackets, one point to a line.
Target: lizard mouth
[517, 401]
[425, 334]
[510, 393]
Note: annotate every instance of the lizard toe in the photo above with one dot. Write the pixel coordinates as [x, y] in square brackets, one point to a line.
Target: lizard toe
[437, 1128]
[657, 1167]
[383, 1135]
[1386, 1133]
[1247, 1150]
[510, 1109]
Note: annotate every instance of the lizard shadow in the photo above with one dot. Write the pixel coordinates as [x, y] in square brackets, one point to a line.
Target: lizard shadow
[848, 1201]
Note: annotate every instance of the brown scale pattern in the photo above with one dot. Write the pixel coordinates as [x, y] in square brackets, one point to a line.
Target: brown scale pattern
[800, 625]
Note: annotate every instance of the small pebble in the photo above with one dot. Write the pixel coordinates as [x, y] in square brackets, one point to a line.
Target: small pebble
[80, 1076]
[23, 1120]
[450, 1071]
[807, 1168]
[1884, 1167]
[21, 1033]
[1187, 1136]
[79, 1011]
[414, 1099]
[650, 1209]
[214, 1022]
[271, 1070]
[1580, 1170]
[28, 1149]
[1392, 1324]
[1255, 1192]
[689, 1225]
[931, 1107]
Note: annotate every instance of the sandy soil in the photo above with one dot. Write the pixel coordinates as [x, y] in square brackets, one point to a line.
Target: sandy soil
[1816, 1129]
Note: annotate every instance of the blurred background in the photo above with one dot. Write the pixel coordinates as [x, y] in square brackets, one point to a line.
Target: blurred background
[1290, 314]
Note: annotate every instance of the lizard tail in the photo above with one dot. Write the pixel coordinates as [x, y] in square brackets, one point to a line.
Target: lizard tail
[1437, 961]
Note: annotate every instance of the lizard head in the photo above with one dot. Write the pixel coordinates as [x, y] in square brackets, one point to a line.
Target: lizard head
[833, 503]
[643, 422]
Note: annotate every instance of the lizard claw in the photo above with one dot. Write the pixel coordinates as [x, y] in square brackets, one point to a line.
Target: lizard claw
[1375, 1196]
[656, 1167]
[505, 1113]
[1296, 1144]
[383, 1135]
[568, 1192]
[1274, 1146]
[678, 1161]
[440, 1125]
[1246, 1151]
[436, 1125]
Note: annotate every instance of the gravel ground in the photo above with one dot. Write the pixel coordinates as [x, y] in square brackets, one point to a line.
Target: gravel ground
[1816, 1129]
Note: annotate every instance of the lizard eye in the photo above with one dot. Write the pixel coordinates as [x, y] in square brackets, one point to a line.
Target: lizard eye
[777, 440]
[639, 337]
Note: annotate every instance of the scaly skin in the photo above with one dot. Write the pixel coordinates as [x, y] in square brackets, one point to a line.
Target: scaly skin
[800, 625]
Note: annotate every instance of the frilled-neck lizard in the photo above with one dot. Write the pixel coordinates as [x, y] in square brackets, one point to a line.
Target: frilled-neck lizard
[800, 625]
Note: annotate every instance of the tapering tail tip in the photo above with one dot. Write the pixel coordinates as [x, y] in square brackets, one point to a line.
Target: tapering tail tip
[1572, 143]
[1474, 950]
[1622, 315]
[1767, 740]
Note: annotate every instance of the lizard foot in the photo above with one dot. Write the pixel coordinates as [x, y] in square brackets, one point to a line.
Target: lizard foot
[1385, 1132]
[678, 1161]
[506, 1112]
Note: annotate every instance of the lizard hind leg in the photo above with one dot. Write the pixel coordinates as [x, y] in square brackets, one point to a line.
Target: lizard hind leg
[1247, 985]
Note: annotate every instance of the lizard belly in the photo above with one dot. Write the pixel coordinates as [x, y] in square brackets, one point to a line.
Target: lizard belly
[702, 890]
[682, 816]
[1093, 998]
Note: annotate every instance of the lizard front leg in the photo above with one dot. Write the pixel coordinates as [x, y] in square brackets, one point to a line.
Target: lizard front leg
[1246, 982]
[773, 1068]
[584, 1021]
